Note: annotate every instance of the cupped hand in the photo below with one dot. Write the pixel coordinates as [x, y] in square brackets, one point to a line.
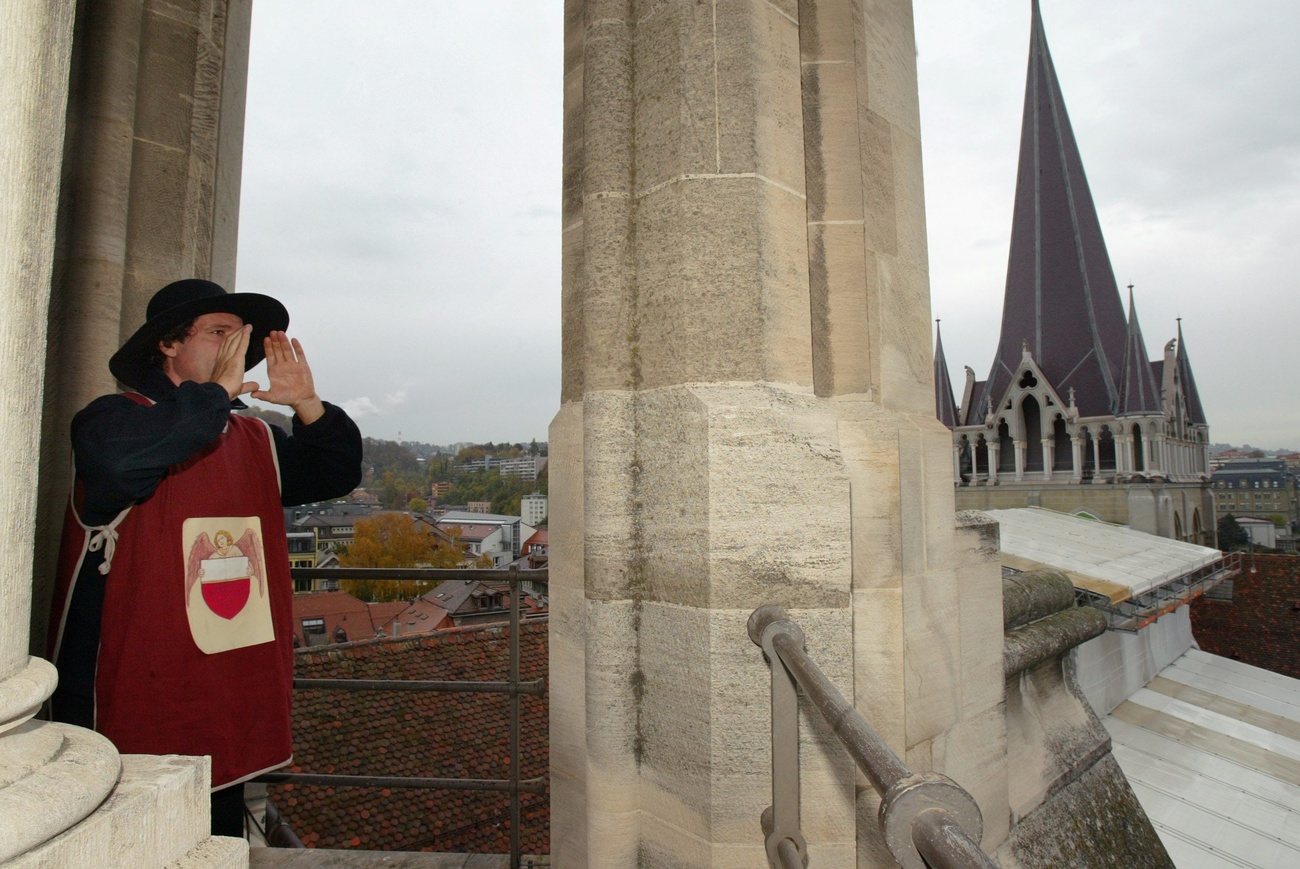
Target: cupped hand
[228, 367]
[290, 378]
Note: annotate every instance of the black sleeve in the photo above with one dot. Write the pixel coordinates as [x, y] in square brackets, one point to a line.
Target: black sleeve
[318, 461]
[122, 449]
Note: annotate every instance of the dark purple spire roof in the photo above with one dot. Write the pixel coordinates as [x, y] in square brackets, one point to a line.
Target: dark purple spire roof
[1140, 393]
[1195, 412]
[945, 407]
[1061, 299]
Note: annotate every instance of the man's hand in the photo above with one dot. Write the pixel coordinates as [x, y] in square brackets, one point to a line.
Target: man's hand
[290, 376]
[228, 367]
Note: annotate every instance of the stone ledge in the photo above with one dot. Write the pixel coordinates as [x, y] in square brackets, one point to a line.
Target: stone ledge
[215, 852]
[1050, 637]
[76, 769]
[157, 814]
[1034, 594]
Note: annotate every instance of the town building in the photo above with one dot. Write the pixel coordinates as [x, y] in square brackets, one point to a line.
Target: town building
[323, 618]
[1073, 414]
[525, 468]
[329, 530]
[496, 536]
[302, 553]
[532, 509]
[469, 602]
[1257, 488]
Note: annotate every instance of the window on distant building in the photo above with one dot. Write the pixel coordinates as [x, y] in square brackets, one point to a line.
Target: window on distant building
[313, 627]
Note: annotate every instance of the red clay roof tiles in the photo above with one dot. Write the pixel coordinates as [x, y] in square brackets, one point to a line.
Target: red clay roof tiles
[412, 733]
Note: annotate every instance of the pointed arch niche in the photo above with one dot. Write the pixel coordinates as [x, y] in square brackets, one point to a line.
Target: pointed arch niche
[1031, 416]
[1139, 462]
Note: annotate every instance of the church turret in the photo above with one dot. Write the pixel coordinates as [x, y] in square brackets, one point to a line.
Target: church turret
[945, 407]
[1061, 298]
[1139, 391]
[1195, 413]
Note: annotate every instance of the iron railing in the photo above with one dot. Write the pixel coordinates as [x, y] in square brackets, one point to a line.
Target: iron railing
[927, 819]
[513, 686]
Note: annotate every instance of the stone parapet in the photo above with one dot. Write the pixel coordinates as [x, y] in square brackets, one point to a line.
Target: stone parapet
[155, 815]
[1069, 800]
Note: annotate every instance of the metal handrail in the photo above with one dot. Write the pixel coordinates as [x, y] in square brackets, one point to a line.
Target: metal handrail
[513, 686]
[927, 819]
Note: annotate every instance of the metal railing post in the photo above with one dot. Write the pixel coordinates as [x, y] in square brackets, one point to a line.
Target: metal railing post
[781, 820]
[513, 678]
[928, 820]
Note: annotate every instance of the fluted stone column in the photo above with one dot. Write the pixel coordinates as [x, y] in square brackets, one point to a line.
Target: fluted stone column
[51, 776]
[118, 172]
[150, 194]
[746, 313]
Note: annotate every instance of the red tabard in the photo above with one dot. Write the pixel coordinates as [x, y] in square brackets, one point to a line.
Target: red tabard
[196, 641]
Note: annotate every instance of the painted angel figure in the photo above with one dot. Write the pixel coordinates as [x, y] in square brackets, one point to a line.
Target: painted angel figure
[225, 586]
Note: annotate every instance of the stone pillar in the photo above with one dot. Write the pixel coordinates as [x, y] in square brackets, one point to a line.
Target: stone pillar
[51, 776]
[746, 311]
[119, 133]
[149, 194]
[1020, 450]
[993, 465]
[1076, 453]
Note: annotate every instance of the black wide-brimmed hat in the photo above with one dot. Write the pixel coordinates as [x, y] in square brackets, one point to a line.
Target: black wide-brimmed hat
[184, 300]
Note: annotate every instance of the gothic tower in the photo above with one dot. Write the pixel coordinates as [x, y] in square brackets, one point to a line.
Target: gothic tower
[1074, 416]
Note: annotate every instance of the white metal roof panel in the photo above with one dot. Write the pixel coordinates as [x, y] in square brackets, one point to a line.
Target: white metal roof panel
[1217, 767]
[1113, 553]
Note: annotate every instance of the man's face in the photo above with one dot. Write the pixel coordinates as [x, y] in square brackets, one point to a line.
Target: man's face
[196, 356]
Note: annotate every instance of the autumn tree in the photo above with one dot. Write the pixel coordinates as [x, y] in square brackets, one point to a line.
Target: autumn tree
[395, 540]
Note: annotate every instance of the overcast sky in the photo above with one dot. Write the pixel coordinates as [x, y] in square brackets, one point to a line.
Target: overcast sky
[402, 173]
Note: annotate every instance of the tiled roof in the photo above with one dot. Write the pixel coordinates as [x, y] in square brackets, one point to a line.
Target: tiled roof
[420, 617]
[383, 612]
[410, 733]
[338, 609]
[328, 520]
[470, 533]
[1261, 624]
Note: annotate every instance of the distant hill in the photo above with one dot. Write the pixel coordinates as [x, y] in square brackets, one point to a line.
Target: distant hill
[274, 417]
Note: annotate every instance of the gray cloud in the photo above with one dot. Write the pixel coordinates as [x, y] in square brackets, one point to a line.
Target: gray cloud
[402, 174]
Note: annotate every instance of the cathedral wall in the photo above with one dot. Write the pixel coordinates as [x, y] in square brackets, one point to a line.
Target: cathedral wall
[1108, 503]
[1148, 508]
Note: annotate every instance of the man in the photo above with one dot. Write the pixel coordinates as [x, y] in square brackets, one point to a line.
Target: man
[172, 614]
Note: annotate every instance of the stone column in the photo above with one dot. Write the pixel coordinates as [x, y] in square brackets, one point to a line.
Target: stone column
[1019, 447]
[1076, 453]
[746, 311]
[51, 776]
[149, 194]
